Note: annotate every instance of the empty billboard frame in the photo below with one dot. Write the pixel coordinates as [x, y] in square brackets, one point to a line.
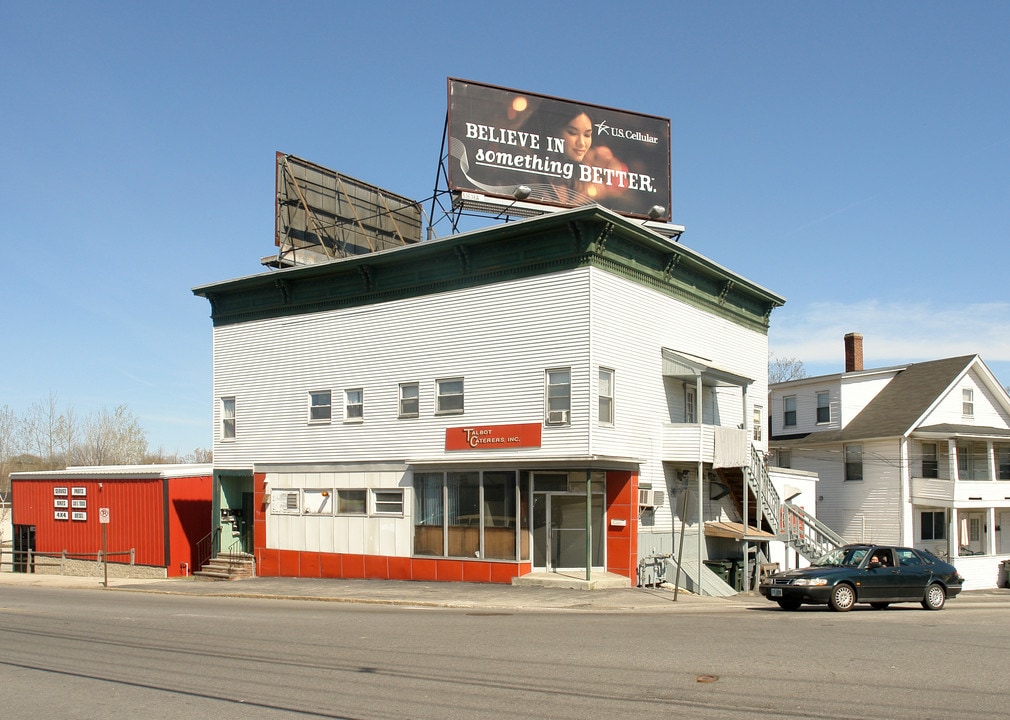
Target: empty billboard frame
[323, 215]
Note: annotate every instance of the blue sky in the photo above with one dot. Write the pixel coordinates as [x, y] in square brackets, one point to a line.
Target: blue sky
[853, 157]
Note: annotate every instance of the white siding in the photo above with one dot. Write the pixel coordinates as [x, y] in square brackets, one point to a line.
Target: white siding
[631, 325]
[498, 338]
[861, 510]
[806, 406]
[988, 411]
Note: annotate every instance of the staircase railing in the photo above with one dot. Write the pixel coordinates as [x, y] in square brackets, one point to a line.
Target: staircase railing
[768, 501]
[806, 534]
[207, 546]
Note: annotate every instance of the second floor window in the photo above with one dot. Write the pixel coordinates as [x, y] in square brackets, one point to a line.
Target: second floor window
[449, 396]
[1003, 462]
[354, 405]
[756, 430]
[972, 461]
[853, 462]
[930, 465]
[409, 400]
[606, 393]
[789, 411]
[228, 418]
[823, 408]
[968, 402]
[690, 405]
[319, 406]
[559, 396]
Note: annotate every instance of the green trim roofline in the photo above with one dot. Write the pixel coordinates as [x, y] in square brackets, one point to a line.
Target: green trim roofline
[586, 236]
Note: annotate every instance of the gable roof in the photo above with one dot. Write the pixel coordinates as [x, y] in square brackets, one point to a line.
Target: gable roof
[902, 402]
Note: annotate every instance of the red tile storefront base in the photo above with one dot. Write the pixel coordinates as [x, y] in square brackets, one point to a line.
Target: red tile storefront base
[291, 563]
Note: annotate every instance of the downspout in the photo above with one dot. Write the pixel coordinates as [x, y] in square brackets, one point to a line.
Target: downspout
[700, 413]
[589, 525]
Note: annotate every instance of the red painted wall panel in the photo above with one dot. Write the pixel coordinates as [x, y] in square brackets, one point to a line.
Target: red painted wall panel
[137, 517]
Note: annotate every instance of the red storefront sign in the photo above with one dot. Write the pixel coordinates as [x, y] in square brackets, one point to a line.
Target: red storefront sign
[493, 437]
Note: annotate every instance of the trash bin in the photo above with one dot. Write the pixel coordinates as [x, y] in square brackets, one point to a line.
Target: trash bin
[736, 575]
[722, 568]
[1004, 575]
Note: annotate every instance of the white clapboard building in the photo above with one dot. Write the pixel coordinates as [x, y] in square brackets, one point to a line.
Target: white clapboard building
[572, 393]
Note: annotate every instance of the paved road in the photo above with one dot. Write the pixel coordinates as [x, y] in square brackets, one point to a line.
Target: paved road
[87, 653]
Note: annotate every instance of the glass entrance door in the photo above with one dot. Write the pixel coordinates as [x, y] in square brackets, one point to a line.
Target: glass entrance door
[559, 531]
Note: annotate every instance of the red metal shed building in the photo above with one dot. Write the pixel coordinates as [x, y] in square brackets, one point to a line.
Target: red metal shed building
[159, 512]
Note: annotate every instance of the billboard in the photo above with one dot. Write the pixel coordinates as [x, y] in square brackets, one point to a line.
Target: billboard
[566, 153]
[324, 215]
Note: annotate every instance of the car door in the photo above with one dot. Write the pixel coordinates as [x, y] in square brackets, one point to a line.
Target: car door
[913, 574]
[880, 582]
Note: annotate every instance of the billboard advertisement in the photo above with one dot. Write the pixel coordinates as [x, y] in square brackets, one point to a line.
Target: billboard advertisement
[566, 153]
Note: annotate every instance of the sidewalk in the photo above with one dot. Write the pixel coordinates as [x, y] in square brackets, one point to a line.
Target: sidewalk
[411, 594]
[477, 596]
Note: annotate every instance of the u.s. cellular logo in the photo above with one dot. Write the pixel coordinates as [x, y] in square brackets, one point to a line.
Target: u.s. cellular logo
[603, 129]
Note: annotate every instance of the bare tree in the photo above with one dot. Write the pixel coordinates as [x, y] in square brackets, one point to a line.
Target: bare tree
[111, 438]
[8, 446]
[784, 369]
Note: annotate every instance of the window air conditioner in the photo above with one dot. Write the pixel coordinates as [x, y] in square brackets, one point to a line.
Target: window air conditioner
[649, 498]
[557, 417]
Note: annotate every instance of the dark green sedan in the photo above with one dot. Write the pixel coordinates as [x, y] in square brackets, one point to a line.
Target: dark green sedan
[864, 573]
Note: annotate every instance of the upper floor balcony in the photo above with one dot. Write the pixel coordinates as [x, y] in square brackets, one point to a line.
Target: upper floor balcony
[713, 444]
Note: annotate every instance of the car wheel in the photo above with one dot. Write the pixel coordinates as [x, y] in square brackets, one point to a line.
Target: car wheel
[880, 605]
[789, 604]
[843, 597]
[934, 598]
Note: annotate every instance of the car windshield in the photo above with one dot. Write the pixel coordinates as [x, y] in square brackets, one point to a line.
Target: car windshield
[842, 557]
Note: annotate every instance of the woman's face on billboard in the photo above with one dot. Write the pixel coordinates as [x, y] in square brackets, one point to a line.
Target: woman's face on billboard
[578, 136]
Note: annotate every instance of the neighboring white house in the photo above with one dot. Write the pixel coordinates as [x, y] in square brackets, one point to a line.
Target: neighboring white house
[439, 411]
[916, 455]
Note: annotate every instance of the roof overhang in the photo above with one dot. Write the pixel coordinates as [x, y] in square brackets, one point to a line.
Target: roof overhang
[686, 367]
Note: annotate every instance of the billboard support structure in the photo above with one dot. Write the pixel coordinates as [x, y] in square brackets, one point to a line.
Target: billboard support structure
[323, 215]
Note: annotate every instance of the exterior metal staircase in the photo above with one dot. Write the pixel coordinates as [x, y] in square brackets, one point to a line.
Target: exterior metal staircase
[789, 523]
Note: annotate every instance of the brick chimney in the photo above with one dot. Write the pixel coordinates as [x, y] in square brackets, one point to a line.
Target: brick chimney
[853, 352]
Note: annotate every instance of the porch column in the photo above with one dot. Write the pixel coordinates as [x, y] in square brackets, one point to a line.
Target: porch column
[953, 536]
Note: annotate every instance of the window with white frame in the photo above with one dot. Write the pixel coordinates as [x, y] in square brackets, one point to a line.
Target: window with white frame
[968, 402]
[352, 501]
[559, 396]
[853, 462]
[354, 405]
[410, 394]
[933, 525]
[228, 418]
[930, 461]
[449, 396]
[317, 502]
[606, 397]
[320, 408]
[823, 408]
[789, 411]
[690, 405]
[757, 431]
[387, 502]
